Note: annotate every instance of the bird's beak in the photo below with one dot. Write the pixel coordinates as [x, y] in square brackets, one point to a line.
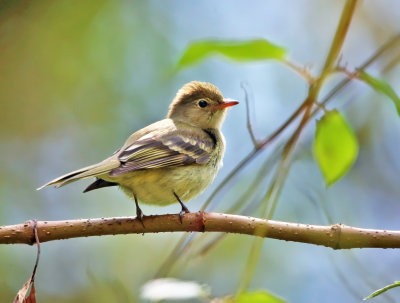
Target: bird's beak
[226, 103]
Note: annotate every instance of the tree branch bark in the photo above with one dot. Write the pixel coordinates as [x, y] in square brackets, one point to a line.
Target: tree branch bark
[336, 236]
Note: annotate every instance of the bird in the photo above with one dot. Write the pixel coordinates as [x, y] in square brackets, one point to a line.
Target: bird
[172, 160]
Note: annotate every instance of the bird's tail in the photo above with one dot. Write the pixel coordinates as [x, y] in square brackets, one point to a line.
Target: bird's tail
[83, 173]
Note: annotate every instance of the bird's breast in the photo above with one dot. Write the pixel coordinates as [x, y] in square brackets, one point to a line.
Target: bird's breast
[156, 186]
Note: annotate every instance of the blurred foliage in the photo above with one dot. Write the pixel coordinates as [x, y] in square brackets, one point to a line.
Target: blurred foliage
[68, 52]
[250, 297]
[241, 51]
[381, 87]
[78, 77]
[258, 297]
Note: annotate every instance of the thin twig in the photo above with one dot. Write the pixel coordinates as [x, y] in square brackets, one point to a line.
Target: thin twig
[302, 71]
[35, 232]
[246, 88]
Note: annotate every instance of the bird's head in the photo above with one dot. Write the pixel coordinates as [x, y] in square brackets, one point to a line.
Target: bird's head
[200, 104]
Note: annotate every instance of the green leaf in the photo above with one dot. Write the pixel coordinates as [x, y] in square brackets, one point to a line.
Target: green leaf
[236, 50]
[382, 290]
[382, 87]
[258, 297]
[335, 146]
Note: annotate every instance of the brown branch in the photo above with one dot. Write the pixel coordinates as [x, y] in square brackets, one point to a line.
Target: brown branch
[336, 236]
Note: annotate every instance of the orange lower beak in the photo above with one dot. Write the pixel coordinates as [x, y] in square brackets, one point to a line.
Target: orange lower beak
[226, 103]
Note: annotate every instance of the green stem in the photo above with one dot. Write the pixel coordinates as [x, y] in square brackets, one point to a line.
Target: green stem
[337, 43]
[276, 186]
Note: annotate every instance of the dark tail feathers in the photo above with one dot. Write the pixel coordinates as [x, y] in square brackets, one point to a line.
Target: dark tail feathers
[99, 183]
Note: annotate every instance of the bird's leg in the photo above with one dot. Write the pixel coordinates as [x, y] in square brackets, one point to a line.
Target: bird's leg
[184, 209]
[139, 213]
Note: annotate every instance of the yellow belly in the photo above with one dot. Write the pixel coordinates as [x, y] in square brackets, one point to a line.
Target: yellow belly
[156, 186]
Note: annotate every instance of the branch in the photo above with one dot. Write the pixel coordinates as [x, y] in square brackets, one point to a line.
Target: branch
[336, 236]
[245, 86]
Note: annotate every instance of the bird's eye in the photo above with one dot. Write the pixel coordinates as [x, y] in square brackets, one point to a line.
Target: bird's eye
[203, 103]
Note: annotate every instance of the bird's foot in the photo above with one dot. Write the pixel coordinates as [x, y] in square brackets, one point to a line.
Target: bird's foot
[184, 209]
[139, 213]
[182, 212]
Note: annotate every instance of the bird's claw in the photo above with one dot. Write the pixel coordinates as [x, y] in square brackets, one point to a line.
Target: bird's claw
[183, 211]
[139, 215]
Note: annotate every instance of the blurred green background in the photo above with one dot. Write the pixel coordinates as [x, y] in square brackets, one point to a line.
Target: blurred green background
[77, 77]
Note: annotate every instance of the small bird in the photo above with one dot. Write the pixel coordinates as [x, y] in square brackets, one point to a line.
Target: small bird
[169, 161]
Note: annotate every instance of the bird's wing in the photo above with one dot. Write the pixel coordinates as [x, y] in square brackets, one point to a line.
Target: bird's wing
[166, 150]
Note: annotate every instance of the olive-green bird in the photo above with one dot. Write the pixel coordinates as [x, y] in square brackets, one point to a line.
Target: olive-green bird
[172, 160]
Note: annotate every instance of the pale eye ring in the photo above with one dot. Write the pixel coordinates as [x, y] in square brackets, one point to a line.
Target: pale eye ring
[202, 103]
